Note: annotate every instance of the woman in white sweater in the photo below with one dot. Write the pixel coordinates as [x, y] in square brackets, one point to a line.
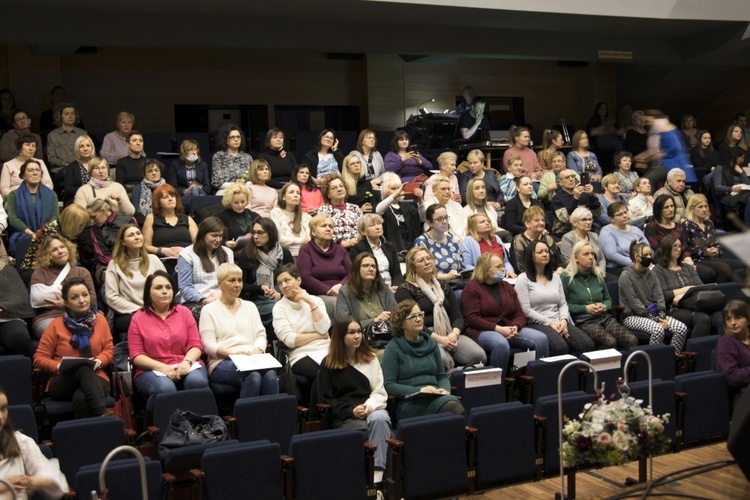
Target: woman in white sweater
[231, 325]
[126, 275]
[290, 220]
[301, 323]
[101, 186]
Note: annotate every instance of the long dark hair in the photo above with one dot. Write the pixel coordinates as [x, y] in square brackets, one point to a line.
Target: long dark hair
[251, 252]
[147, 289]
[531, 265]
[318, 144]
[297, 220]
[310, 184]
[400, 134]
[710, 148]
[355, 278]
[664, 251]
[9, 447]
[336, 359]
[659, 203]
[209, 225]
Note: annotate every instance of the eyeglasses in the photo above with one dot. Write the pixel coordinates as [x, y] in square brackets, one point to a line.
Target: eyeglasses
[234, 137]
[442, 219]
[416, 316]
[327, 137]
[587, 219]
[620, 214]
[21, 119]
[369, 266]
[354, 332]
[259, 232]
[565, 177]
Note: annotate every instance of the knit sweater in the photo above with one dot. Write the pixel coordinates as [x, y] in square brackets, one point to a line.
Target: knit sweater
[264, 199]
[221, 328]
[287, 237]
[281, 168]
[672, 280]
[616, 244]
[570, 239]
[542, 303]
[347, 304]
[87, 193]
[407, 367]
[125, 294]
[361, 383]
[585, 289]
[638, 289]
[290, 318]
[320, 270]
[483, 312]
[733, 360]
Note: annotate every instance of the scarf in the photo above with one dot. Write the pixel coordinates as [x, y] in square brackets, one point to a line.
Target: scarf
[81, 328]
[147, 193]
[440, 320]
[100, 184]
[267, 263]
[33, 212]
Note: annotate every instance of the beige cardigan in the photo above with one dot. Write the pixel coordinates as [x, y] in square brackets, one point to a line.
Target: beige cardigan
[85, 195]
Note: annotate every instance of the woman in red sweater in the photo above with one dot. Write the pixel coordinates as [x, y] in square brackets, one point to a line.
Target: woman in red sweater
[82, 333]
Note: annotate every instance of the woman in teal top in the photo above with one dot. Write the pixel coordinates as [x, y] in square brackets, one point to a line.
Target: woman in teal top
[412, 364]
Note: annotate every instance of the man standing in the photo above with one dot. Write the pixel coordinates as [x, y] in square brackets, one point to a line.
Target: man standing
[21, 126]
[675, 187]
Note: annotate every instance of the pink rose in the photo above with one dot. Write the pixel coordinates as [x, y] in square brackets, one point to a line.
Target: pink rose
[604, 438]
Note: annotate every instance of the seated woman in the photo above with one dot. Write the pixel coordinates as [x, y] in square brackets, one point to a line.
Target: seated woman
[325, 157]
[476, 164]
[311, 197]
[401, 224]
[365, 295]
[623, 163]
[264, 197]
[74, 219]
[514, 169]
[323, 264]
[516, 208]
[351, 382]
[663, 224]
[642, 203]
[55, 262]
[126, 276]
[732, 353]
[447, 165]
[189, 174]
[476, 202]
[533, 219]
[494, 318]
[411, 363]
[589, 301]
[580, 159]
[230, 162]
[611, 194]
[520, 143]
[100, 186]
[372, 160]
[300, 323]
[197, 265]
[442, 313]
[405, 162]
[359, 190]
[281, 162]
[143, 194]
[675, 279]
[616, 237]
[703, 156]
[77, 172]
[128, 170]
[164, 343]
[726, 183]
[236, 217]
[168, 229]
[115, 144]
[548, 186]
[260, 258]
[345, 215]
[441, 244]
[10, 177]
[701, 238]
[31, 206]
[456, 217]
[582, 219]
[641, 294]
[229, 326]
[82, 333]
[542, 298]
[480, 240]
[370, 228]
[291, 222]
[24, 466]
[96, 242]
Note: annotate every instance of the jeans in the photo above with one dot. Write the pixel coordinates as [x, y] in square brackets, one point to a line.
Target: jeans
[186, 198]
[378, 429]
[251, 384]
[84, 387]
[499, 347]
[150, 384]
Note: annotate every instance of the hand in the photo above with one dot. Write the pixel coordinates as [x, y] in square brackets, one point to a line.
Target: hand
[394, 288]
[493, 204]
[588, 189]
[361, 411]
[451, 341]
[664, 323]
[22, 482]
[712, 252]
[366, 208]
[170, 371]
[442, 391]
[418, 193]
[428, 389]
[457, 198]
[509, 332]
[449, 276]
[736, 189]
[578, 191]
[282, 154]
[312, 211]
[335, 145]
[414, 156]
[334, 291]
[595, 309]
[57, 302]
[553, 187]
[230, 244]
[384, 316]
[183, 368]
[375, 183]
[510, 274]
[171, 252]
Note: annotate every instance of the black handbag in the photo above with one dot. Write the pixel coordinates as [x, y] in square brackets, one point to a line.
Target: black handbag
[706, 301]
[378, 334]
[187, 429]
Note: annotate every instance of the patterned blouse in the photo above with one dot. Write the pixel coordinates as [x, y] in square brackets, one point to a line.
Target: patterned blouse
[345, 219]
[447, 255]
[654, 233]
[227, 168]
[699, 240]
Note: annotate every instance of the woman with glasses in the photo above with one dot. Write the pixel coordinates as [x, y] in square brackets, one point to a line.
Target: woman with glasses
[616, 237]
[31, 206]
[411, 364]
[345, 215]
[325, 157]
[443, 246]
[582, 220]
[10, 178]
[231, 163]
[457, 218]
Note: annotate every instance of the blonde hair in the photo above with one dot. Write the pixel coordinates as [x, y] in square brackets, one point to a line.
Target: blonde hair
[476, 153]
[77, 144]
[226, 269]
[349, 181]
[471, 228]
[470, 201]
[388, 179]
[445, 156]
[610, 179]
[483, 266]
[236, 188]
[185, 146]
[121, 257]
[411, 271]
[95, 161]
[572, 268]
[43, 257]
[318, 220]
[440, 179]
[73, 220]
[693, 202]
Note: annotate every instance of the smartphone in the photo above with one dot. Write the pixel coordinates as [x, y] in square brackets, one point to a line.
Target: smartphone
[585, 178]
[413, 148]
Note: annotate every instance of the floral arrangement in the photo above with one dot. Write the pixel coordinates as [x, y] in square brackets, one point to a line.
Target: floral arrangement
[613, 433]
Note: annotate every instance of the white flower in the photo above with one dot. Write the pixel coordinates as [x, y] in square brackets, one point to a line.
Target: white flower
[620, 440]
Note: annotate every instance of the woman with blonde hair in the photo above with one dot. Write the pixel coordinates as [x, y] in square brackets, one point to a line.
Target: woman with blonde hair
[477, 170]
[264, 197]
[447, 165]
[72, 222]
[189, 174]
[237, 218]
[480, 239]
[102, 187]
[126, 275]
[478, 202]
[456, 216]
[359, 190]
[534, 220]
[372, 161]
[291, 222]
[77, 172]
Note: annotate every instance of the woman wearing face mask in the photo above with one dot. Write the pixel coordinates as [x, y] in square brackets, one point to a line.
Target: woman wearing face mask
[189, 174]
[401, 225]
[281, 162]
[142, 196]
[515, 208]
[291, 222]
[641, 294]
[475, 160]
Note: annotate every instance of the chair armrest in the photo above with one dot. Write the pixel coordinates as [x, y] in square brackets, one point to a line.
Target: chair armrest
[286, 476]
[471, 458]
[540, 423]
[394, 443]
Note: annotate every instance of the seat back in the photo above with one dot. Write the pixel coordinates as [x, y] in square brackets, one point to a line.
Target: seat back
[706, 405]
[15, 378]
[200, 401]
[665, 401]
[545, 376]
[204, 207]
[424, 474]
[663, 361]
[122, 479]
[272, 417]
[157, 142]
[546, 406]
[85, 441]
[244, 470]
[702, 347]
[202, 138]
[329, 464]
[609, 377]
[505, 442]
[23, 419]
[473, 397]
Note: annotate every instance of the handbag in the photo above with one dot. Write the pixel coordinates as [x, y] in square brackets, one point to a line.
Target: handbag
[378, 334]
[416, 183]
[124, 406]
[188, 429]
[706, 301]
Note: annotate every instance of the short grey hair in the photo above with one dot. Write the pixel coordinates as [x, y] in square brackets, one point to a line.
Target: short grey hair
[636, 114]
[579, 214]
[675, 173]
[366, 220]
[226, 269]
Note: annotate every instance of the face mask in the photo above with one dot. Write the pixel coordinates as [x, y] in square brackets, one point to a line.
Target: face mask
[498, 276]
[646, 261]
[192, 158]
